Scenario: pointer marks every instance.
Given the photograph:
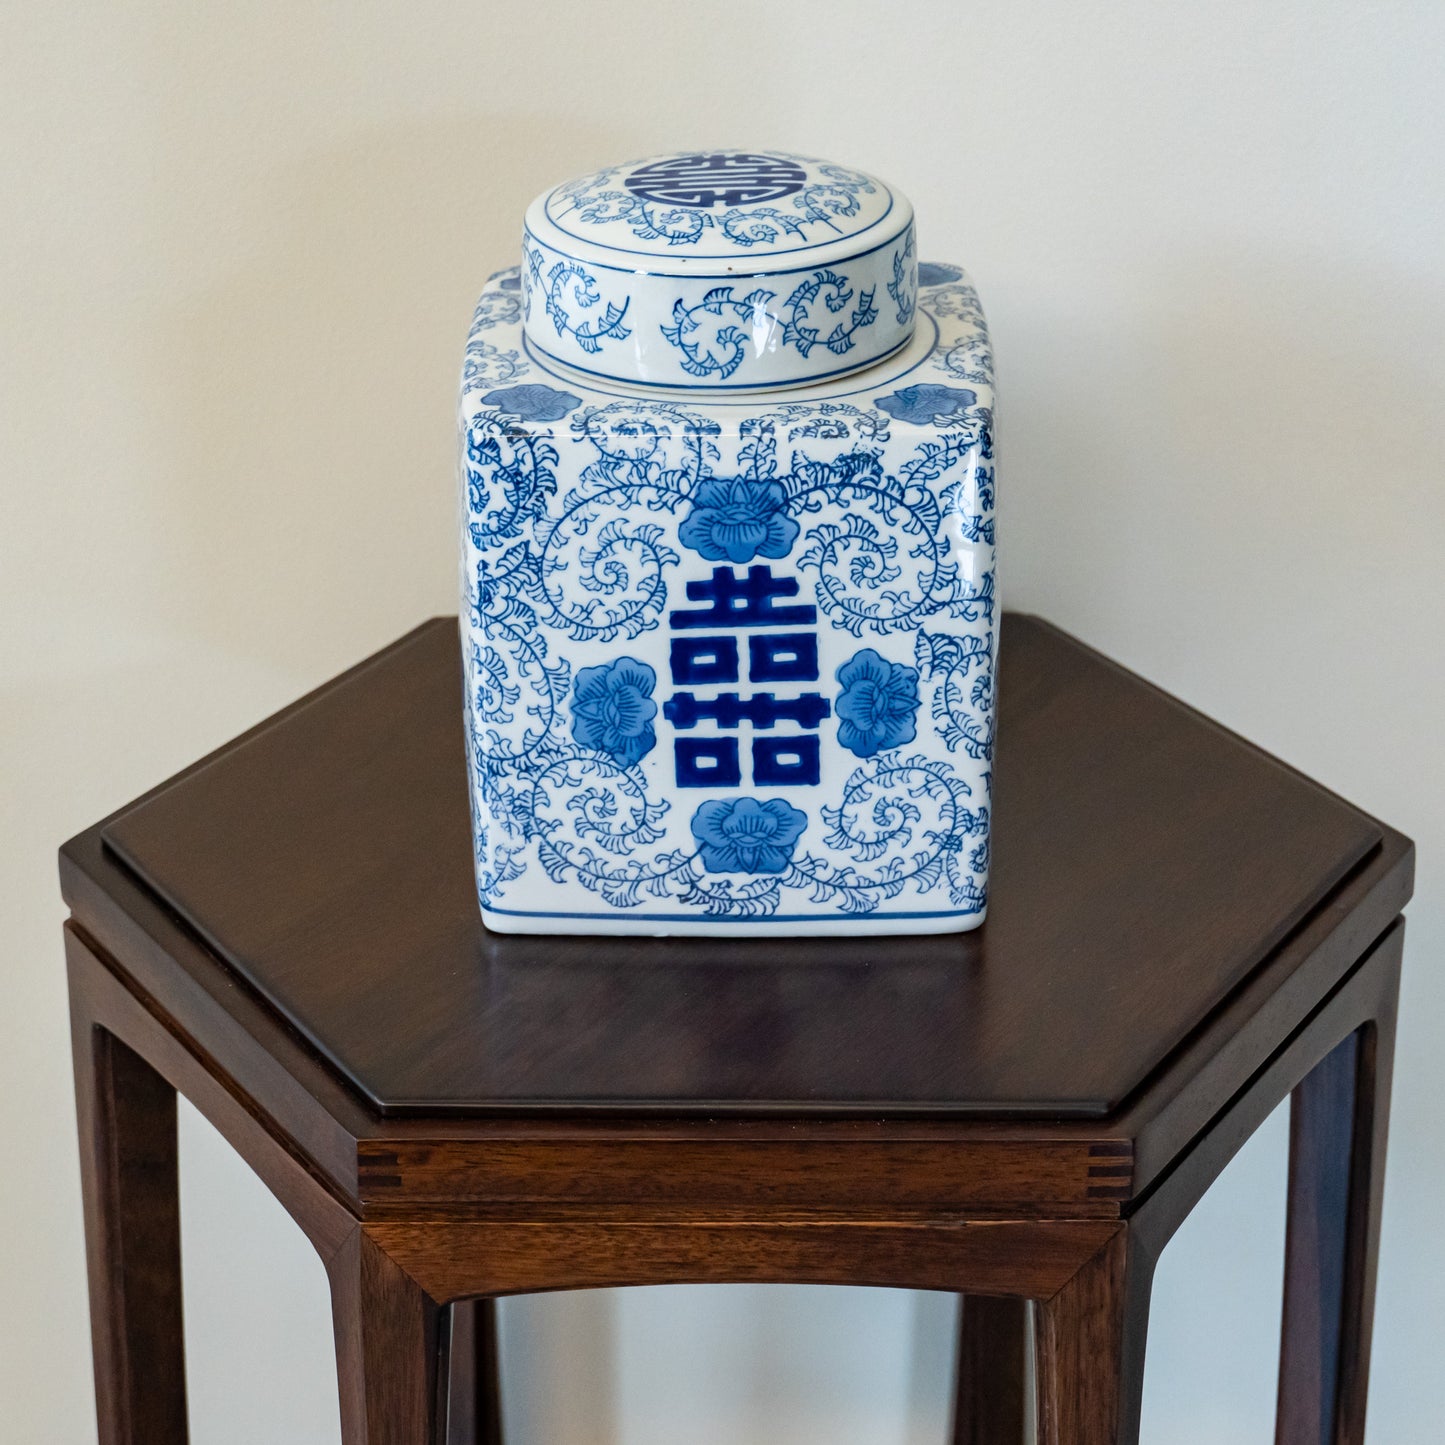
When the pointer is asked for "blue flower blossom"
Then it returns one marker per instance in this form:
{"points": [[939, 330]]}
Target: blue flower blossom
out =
{"points": [[877, 706], [940, 405], [736, 520], [931, 273], [533, 402], [743, 835], [612, 709]]}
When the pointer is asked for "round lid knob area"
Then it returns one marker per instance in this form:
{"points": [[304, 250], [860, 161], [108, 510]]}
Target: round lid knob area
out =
{"points": [[720, 270]]}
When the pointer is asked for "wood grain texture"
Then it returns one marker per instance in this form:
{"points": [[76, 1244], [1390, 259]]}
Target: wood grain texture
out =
{"points": [[1338, 1120], [1091, 1351], [466, 1253], [389, 1345], [844, 1168], [1140, 852], [990, 1392], [474, 1391], [127, 1121], [105, 1004], [1367, 998]]}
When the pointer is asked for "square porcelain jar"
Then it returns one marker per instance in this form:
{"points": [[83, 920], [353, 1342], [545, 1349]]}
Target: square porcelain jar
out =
{"points": [[728, 603]]}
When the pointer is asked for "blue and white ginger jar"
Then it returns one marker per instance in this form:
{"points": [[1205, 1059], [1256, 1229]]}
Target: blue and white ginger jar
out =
{"points": [[728, 601]]}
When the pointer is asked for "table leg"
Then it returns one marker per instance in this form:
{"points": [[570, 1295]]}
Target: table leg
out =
{"points": [[1091, 1337], [127, 1120], [391, 1349], [1338, 1118], [989, 1389], [474, 1398]]}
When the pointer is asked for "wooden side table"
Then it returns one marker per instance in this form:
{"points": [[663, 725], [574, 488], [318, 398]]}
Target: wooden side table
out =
{"points": [[1183, 931]]}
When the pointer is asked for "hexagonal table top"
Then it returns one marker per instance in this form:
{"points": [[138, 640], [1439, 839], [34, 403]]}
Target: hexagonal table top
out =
{"points": [[1146, 863]]}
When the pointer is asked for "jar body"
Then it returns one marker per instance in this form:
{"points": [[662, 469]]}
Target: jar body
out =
{"points": [[729, 661]]}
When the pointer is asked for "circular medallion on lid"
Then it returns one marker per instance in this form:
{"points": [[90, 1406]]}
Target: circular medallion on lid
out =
{"points": [[722, 270]]}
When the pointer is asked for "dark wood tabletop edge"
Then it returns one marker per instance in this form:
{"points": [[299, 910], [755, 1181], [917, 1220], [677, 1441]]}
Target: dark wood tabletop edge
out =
{"points": [[254, 1053], [253, 1046], [306, 700], [340, 1183], [89, 874], [1177, 1101], [1065, 1110], [292, 1093], [1366, 900], [1129, 1115], [428, 1129], [702, 1108], [260, 1049], [1157, 1180], [1213, 724], [1032, 1108], [601, 1106]]}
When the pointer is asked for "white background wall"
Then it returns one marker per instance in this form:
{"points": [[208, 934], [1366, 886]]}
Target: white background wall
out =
{"points": [[240, 247]]}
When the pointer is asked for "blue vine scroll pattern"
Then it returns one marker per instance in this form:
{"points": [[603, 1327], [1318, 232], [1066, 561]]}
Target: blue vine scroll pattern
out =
{"points": [[558, 777], [568, 285], [803, 321], [971, 357], [903, 288], [963, 712], [485, 363], [713, 333], [888, 563]]}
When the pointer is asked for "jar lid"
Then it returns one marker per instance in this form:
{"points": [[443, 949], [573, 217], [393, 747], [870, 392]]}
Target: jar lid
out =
{"points": [[725, 270]]}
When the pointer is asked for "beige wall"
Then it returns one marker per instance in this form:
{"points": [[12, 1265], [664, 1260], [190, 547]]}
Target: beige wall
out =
{"points": [[240, 246]]}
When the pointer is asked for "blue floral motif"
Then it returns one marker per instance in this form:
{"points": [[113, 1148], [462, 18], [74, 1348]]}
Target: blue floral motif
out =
{"points": [[924, 403], [533, 402], [930, 273], [743, 835], [612, 709], [877, 706], [736, 520]]}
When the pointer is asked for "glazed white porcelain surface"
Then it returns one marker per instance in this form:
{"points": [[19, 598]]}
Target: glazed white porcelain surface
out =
{"points": [[730, 659], [726, 270]]}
